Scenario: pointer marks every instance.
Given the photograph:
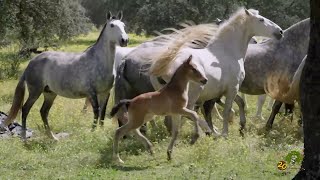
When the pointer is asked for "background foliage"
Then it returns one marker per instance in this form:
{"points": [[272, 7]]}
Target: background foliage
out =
{"points": [[36, 23]]}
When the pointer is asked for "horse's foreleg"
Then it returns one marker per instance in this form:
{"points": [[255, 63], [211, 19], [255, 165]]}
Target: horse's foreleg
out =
{"points": [[226, 112], [232, 113], [275, 109], [95, 106], [260, 102], [244, 98], [103, 102], [44, 111], [175, 124], [241, 105]]}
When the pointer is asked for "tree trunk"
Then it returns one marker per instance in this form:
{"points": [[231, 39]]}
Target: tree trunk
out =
{"points": [[310, 100]]}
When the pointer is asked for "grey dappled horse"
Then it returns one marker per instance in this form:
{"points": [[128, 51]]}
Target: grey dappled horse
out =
{"points": [[72, 75]]}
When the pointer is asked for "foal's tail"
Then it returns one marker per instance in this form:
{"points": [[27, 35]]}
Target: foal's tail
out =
{"points": [[17, 101], [116, 108]]}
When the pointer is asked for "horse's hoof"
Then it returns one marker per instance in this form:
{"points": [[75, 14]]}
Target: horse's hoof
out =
{"points": [[194, 138], [169, 155], [208, 133], [260, 118], [101, 123]]}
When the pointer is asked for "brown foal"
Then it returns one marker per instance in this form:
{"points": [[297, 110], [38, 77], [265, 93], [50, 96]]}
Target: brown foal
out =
{"points": [[172, 99]]}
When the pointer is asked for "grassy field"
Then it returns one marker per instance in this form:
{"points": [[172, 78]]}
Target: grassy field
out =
{"points": [[87, 155]]}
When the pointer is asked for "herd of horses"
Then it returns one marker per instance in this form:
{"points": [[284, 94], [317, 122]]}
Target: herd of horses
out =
{"points": [[172, 75]]}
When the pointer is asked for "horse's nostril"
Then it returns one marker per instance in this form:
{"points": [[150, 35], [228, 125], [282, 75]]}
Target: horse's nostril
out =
{"points": [[204, 81]]}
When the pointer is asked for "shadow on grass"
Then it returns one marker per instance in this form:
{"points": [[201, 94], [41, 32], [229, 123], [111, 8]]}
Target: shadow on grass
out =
{"points": [[130, 145], [39, 144]]}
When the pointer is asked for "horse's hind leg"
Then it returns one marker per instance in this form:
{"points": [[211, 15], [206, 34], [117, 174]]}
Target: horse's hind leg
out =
{"points": [[207, 108], [49, 97], [275, 109], [33, 96], [241, 105], [103, 102]]}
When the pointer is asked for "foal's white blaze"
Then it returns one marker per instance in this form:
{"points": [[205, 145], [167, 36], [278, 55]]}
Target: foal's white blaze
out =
{"points": [[262, 26]]}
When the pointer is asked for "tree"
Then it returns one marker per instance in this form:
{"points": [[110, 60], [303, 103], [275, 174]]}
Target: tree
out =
{"points": [[41, 23], [310, 98]]}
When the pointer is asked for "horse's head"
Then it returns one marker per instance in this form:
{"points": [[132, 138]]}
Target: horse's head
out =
{"points": [[115, 29], [262, 26], [194, 73]]}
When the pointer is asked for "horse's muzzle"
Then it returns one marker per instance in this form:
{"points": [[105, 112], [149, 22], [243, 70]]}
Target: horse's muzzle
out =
{"points": [[124, 42], [278, 35], [204, 81]]}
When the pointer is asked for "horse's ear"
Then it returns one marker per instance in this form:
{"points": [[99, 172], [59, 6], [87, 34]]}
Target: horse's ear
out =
{"points": [[109, 15], [189, 59], [248, 12], [120, 15], [218, 21]]}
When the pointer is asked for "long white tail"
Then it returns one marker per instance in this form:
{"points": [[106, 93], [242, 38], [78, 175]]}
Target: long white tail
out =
{"points": [[280, 88]]}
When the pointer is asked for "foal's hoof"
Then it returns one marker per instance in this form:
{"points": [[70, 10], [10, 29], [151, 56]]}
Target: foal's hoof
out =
{"points": [[117, 160]]}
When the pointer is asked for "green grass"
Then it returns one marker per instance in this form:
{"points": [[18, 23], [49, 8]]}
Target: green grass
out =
{"points": [[87, 155]]}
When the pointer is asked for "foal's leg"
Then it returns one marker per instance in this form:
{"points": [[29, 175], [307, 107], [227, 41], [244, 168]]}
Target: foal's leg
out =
{"points": [[95, 107], [44, 111], [33, 96], [144, 140], [133, 123], [175, 125], [241, 105], [103, 102], [195, 118], [275, 109], [260, 102]]}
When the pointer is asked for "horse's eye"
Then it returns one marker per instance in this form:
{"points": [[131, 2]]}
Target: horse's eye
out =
{"points": [[112, 25], [261, 20], [194, 70]]}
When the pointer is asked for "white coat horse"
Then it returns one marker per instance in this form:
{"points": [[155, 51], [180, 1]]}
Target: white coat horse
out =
{"points": [[222, 60]]}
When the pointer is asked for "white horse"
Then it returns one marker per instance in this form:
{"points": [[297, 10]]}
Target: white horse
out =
{"points": [[71, 75], [222, 60]]}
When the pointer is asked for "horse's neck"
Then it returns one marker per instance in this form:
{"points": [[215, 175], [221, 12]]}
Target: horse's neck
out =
{"points": [[178, 83], [233, 40], [296, 37], [104, 51]]}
